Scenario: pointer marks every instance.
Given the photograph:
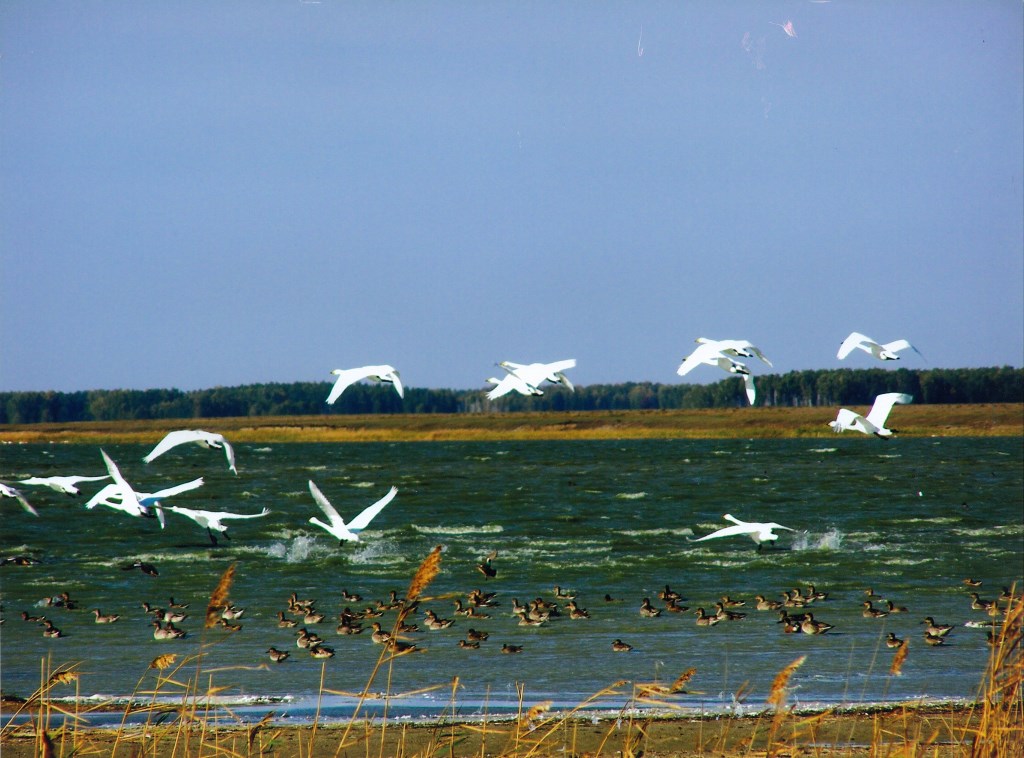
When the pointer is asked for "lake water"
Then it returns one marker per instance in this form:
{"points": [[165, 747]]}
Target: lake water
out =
{"points": [[910, 518]]}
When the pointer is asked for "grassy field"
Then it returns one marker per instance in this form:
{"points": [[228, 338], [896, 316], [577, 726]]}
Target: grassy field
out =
{"points": [[979, 420]]}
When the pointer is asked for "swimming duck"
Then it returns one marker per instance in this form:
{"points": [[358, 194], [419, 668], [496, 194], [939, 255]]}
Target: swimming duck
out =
{"points": [[647, 610], [471, 645], [169, 632], [705, 620], [564, 594], [485, 567], [726, 615], [321, 651], [981, 605], [934, 639], [575, 612], [872, 613], [810, 626], [102, 619], [763, 604], [936, 630], [306, 639], [728, 602], [668, 595], [379, 635], [893, 641], [285, 623], [474, 636], [672, 606], [434, 623], [893, 608], [277, 656], [349, 597], [509, 649], [621, 647], [50, 630], [470, 610]]}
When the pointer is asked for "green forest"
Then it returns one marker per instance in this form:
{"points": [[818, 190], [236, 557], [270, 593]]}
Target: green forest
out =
{"points": [[796, 388]]}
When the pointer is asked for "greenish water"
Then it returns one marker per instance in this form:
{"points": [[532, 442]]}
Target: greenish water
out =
{"points": [[910, 518]]}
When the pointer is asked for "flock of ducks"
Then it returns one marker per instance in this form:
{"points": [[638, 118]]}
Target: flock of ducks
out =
{"points": [[400, 625]]}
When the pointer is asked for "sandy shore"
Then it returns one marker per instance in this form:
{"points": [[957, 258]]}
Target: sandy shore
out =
{"points": [[910, 730]]}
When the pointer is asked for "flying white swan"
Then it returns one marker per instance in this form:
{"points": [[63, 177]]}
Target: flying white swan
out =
{"points": [[714, 353], [7, 490], [759, 532], [348, 376], [874, 422], [205, 439], [346, 532], [212, 519], [510, 383], [149, 502], [535, 374], [886, 352], [736, 348], [129, 499], [65, 484]]}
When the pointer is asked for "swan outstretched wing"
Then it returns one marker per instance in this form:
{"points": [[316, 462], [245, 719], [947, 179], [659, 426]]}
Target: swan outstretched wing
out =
{"points": [[172, 439], [8, 491], [129, 499], [883, 405], [150, 498], [361, 521], [854, 341], [705, 352], [333, 516]]}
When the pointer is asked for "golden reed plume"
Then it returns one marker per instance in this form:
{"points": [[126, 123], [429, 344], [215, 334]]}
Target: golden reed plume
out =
{"points": [[424, 575], [777, 696], [219, 598], [896, 669]]}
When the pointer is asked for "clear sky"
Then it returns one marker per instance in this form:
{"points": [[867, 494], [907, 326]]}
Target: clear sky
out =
{"points": [[213, 193]]}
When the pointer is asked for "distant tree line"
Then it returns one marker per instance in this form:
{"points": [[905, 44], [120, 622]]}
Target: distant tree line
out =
{"points": [[827, 387]]}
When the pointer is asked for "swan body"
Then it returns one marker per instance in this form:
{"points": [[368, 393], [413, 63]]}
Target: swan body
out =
{"points": [[336, 525], [874, 422], [212, 519], [759, 532], [64, 484], [720, 353], [510, 383], [534, 374], [349, 376], [883, 352], [198, 436]]}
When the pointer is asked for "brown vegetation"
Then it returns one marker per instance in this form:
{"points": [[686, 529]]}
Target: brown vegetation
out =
{"points": [[975, 420]]}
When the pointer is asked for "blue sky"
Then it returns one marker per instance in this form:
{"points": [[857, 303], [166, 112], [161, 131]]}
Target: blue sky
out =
{"points": [[197, 193]]}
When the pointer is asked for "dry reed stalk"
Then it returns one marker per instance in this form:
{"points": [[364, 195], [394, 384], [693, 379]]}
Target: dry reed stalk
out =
{"points": [[777, 699], [219, 598], [557, 723], [1000, 731], [896, 669]]}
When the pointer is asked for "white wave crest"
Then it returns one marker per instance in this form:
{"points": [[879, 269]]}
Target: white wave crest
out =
{"points": [[631, 495], [464, 529], [823, 449]]}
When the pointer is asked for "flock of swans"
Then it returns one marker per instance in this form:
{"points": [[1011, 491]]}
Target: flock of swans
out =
{"points": [[525, 379]]}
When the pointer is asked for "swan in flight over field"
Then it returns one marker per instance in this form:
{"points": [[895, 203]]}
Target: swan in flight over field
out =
{"points": [[65, 484], [510, 383], [206, 439], [212, 519], [346, 532], [348, 376], [536, 373], [717, 353], [759, 532], [874, 422], [886, 352], [129, 500], [7, 490]]}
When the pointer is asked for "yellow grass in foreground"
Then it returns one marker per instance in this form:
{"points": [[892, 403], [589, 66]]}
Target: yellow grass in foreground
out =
{"points": [[978, 420]]}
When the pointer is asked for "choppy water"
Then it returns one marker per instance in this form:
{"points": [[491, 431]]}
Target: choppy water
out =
{"points": [[909, 518]]}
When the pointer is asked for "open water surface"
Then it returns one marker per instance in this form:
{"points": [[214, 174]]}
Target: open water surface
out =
{"points": [[910, 518]]}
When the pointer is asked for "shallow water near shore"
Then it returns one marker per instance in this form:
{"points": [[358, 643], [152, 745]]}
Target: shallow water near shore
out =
{"points": [[910, 518]]}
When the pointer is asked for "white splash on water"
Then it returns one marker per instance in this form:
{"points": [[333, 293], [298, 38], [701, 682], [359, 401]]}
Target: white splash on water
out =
{"points": [[823, 449], [631, 495], [830, 540], [297, 551]]}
